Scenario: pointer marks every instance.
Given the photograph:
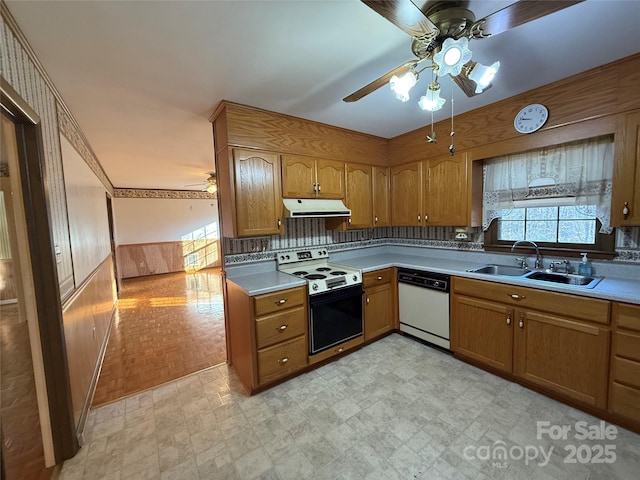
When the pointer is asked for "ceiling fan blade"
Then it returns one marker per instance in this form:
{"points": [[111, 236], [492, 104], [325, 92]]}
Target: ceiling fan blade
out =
{"points": [[517, 14], [467, 85], [195, 184], [379, 82], [404, 15]]}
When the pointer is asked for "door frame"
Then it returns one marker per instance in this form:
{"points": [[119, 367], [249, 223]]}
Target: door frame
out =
{"points": [[44, 273]]}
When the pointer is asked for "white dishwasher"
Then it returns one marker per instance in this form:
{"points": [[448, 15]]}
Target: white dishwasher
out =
{"points": [[423, 299]]}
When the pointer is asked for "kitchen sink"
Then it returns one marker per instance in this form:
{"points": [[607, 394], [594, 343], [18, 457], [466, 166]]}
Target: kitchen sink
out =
{"points": [[493, 269], [538, 275], [564, 278]]}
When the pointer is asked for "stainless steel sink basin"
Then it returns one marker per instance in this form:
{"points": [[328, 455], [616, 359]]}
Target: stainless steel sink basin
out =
{"points": [[506, 270], [564, 278]]}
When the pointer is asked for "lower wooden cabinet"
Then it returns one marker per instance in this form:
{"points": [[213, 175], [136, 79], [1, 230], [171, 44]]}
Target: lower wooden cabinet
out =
{"points": [[267, 334], [624, 377], [503, 327], [380, 302]]}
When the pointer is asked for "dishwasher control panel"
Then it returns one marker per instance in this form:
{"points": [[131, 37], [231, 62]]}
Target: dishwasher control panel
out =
{"points": [[430, 280]]}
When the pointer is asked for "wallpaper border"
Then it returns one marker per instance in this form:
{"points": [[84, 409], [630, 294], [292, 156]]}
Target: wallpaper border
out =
{"points": [[157, 193]]}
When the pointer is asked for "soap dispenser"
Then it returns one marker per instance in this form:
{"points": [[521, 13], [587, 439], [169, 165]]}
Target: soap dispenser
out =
{"points": [[585, 268]]}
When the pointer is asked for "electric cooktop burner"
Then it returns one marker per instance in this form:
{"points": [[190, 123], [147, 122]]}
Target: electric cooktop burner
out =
{"points": [[302, 272], [323, 269], [338, 272], [315, 276]]}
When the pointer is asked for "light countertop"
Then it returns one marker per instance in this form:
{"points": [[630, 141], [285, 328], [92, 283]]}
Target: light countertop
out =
{"points": [[610, 288]]}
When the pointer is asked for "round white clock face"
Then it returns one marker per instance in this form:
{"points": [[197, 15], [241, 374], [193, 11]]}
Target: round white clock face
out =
{"points": [[531, 118]]}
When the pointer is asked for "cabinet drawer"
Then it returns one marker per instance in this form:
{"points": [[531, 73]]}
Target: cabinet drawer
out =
{"points": [[626, 345], [378, 277], [626, 371], [280, 326], [583, 308], [280, 300], [281, 359], [626, 315], [624, 401]]}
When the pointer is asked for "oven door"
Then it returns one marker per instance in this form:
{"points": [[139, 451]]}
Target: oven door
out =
{"points": [[334, 317]]}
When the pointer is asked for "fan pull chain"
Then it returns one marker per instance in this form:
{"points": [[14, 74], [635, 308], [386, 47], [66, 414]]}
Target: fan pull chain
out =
{"points": [[452, 148], [432, 138]]}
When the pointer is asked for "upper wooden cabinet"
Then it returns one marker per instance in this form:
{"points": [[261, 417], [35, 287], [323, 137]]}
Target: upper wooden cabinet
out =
{"points": [[446, 191], [381, 199], [626, 172], [452, 191], [255, 191], [359, 197], [406, 195], [307, 177]]}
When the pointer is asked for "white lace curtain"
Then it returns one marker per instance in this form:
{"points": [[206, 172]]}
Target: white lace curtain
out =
{"points": [[577, 173]]}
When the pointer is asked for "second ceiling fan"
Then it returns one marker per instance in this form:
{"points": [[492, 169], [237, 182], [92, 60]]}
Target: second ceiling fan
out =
{"points": [[441, 31]]}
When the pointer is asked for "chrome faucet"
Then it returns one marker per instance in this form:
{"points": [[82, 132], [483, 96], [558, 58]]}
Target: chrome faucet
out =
{"points": [[538, 263]]}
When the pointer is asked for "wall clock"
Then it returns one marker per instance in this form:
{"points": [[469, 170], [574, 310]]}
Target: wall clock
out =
{"points": [[531, 118]]}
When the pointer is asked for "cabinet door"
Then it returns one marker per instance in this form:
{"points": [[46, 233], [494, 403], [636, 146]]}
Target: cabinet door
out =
{"points": [[358, 195], [381, 204], [257, 187], [406, 195], [626, 172], [298, 177], [330, 178], [566, 356], [445, 191], [379, 310], [483, 331]]}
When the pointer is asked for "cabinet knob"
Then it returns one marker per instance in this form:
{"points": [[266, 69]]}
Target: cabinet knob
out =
{"points": [[379, 277], [279, 223], [521, 322], [625, 209], [367, 300], [315, 187], [426, 217], [509, 318], [515, 296], [283, 361], [349, 220], [375, 219], [282, 328], [282, 301], [340, 350], [419, 217]]}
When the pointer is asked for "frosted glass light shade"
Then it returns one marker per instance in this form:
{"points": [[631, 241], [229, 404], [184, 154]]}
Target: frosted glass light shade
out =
{"points": [[432, 101], [452, 56], [483, 75], [402, 84]]}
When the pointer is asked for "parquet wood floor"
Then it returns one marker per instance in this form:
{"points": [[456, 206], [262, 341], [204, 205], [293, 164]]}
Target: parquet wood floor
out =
{"points": [[166, 327], [22, 450]]}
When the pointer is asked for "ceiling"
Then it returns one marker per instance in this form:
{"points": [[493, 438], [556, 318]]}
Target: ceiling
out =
{"points": [[143, 77]]}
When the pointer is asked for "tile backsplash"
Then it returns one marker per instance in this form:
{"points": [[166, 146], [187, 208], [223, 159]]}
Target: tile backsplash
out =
{"points": [[309, 232]]}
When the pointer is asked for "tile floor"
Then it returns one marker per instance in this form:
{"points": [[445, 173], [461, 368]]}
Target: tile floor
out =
{"points": [[395, 409], [166, 327]]}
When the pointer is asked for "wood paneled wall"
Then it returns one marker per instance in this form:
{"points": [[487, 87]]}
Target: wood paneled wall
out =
{"points": [[242, 126], [87, 317], [141, 259], [579, 107]]}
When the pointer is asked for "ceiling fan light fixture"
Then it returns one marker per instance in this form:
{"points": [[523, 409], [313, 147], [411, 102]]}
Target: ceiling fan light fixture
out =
{"points": [[452, 56], [402, 84], [431, 101], [483, 75], [213, 183]]}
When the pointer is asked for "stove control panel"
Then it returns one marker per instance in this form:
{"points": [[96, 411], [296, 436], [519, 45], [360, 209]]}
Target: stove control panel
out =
{"points": [[302, 255]]}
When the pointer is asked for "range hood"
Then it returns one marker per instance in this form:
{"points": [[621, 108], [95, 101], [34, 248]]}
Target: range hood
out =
{"points": [[314, 207]]}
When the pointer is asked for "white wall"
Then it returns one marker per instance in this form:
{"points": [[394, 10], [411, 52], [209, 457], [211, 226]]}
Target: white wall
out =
{"points": [[87, 211], [154, 220]]}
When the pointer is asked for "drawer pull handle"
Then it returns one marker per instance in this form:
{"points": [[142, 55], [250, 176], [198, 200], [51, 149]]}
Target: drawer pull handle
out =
{"points": [[340, 350], [282, 301], [283, 361], [515, 296], [282, 328], [379, 277]]}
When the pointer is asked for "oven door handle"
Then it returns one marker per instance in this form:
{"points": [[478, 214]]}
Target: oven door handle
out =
{"points": [[335, 295]]}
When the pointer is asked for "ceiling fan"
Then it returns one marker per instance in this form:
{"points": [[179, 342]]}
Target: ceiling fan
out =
{"points": [[209, 185], [441, 31]]}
